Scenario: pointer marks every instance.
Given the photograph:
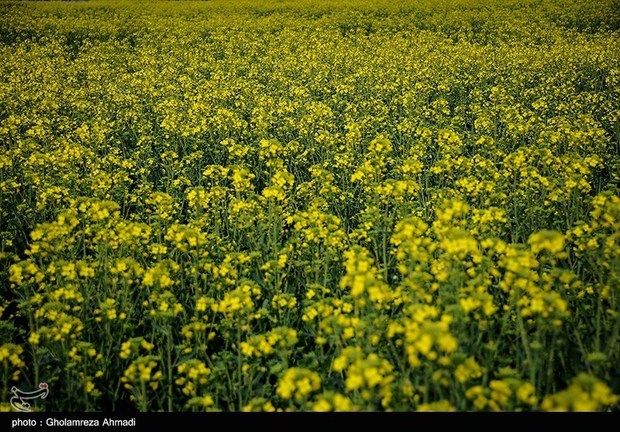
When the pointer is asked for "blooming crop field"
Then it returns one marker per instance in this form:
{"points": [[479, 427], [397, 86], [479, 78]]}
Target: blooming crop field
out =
{"points": [[310, 205]]}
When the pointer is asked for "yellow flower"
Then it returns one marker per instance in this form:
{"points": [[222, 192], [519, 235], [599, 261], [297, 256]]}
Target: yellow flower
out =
{"points": [[551, 241], [298, 383]]}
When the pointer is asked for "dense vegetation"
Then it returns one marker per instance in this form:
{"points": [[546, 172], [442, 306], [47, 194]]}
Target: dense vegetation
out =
{"points": [[317, 205]]}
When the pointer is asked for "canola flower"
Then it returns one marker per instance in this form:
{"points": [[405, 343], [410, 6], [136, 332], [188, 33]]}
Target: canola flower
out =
{"points": [[313, 205]]}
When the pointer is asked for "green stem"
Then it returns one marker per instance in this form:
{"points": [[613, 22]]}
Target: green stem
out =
{"points": [[525, 342], [169, 359], [239, 385]]}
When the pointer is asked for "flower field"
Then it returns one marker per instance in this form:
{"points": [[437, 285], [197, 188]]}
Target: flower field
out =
{"points": [[311, 205]]}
